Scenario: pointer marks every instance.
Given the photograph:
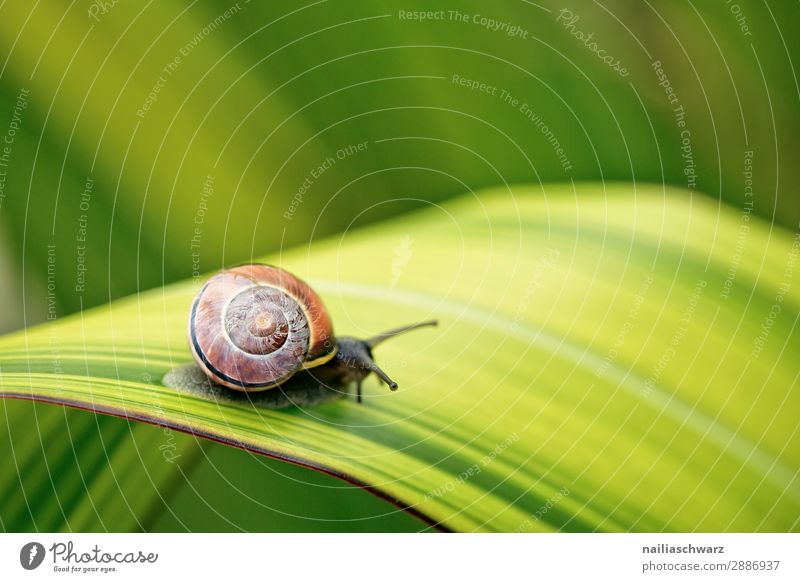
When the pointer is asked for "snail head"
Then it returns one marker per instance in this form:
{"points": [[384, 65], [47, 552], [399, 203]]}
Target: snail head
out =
{"points": [[355, 356]]}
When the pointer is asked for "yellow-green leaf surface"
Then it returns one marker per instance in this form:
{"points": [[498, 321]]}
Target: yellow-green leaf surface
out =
{"points": [[608, 358]]}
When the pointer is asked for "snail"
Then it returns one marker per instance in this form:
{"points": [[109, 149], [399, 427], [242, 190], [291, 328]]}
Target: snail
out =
{"points": [[257, 327]]}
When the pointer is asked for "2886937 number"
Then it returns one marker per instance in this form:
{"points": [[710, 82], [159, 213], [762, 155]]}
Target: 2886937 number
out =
{"points": [[754, 564]]}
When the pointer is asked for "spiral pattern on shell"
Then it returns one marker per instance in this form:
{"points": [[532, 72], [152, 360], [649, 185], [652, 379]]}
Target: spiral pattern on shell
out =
{"points": [[252, 327]]}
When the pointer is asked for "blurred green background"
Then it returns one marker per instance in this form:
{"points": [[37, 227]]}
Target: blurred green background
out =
{"points": [[158, 141]]}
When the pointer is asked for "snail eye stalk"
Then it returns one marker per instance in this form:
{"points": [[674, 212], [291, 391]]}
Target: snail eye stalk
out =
{"points": [[382, 375], [357, 355], [373, 367], [360, 359], [380, 338]]}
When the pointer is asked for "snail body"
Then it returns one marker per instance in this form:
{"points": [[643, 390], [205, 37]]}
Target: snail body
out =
{"points": [[256, 327]]}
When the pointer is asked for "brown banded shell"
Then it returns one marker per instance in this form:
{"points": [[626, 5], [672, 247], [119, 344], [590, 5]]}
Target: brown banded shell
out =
{"points": [[252, 327]]}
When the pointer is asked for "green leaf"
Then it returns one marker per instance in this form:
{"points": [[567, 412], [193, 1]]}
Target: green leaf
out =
{"points": [[617, 358], [264, 96]]}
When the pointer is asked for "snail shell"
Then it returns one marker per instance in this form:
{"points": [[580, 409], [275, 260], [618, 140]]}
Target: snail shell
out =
{"points": [[253, 327]]}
